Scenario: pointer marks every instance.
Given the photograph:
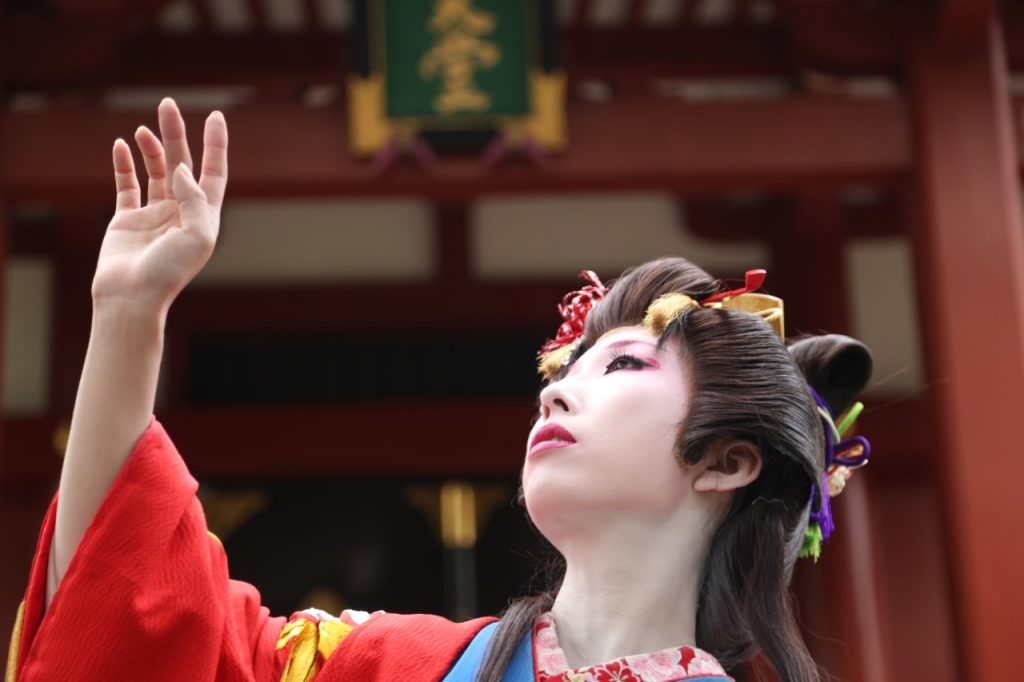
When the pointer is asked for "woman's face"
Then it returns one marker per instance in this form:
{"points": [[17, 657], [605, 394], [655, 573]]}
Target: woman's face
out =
{"points": [[604, 443]]}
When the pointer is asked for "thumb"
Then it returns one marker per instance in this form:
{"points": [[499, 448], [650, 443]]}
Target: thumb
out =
{"points": [[192, 203]]}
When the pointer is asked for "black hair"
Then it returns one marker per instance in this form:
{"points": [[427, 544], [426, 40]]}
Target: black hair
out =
{"points": [[746, 385]]}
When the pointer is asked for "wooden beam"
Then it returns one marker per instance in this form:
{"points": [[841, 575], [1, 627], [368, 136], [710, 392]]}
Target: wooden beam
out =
{"points": [[636, 12], [887, 217], [812, 246], [637, 142], [69, 56], [963, 23], [772, 218], [709, 217], [452, 235], [848, 37], [581, 15], [314, 17], [446, 305], [1012, 24], [204, 20], [304, 442], [687, 50], [970, 260], [96, 44], [257, 15], [297, 442]]}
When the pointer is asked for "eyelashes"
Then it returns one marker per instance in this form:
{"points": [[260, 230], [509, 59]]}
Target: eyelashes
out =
{"points": [[620, 361]]}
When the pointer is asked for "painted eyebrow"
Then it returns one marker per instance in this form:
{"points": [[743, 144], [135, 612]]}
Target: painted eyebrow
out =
{"points": [[630, 342]]}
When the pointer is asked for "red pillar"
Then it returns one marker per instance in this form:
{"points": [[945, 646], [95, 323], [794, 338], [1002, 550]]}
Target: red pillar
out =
{"points": [[452, 235], [970, 261]]}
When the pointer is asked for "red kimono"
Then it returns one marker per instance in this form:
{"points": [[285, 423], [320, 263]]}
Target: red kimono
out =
{"points": [[148, 597]]}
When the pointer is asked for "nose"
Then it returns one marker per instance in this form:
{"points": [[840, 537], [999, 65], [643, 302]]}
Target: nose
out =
{"points": [[553, 400]]}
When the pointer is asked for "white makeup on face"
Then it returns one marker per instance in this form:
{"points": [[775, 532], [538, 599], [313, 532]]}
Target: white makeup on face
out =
{"points": [[604, 444]]}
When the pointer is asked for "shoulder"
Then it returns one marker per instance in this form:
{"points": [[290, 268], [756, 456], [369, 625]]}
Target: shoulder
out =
{"points": [[393, 646], [372, 646]]}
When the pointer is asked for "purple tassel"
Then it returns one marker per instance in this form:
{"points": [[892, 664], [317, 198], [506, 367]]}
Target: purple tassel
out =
{"points": [[823, 516], [821, 519]]}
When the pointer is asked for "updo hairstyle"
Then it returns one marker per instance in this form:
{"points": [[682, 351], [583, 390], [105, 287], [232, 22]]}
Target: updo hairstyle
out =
{"points": [[747, 385]]}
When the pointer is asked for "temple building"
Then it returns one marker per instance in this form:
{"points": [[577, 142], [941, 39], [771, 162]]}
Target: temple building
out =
{"points": [[413, 188]]}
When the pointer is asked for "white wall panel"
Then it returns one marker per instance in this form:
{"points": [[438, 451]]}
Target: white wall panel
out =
{"points": [[27, 329], [553, 236], [884, 312], [302, 242]]}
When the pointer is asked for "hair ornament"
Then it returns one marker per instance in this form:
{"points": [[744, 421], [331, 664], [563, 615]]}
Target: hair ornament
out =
{"points": [[842, 458], [744, 300], [575, 306], [768, 308], [665, 310], [552, 362], [752, 281], [668, 307]]}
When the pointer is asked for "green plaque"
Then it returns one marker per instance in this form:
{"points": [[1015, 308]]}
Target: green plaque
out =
{"points": [[456, 58], [455, 65]]}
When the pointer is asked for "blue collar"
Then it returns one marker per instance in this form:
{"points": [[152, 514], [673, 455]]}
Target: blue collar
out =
{"points": [[520, 668]]}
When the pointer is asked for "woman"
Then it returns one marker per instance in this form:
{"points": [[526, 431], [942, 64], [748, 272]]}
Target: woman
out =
{"points": [[676, 464]]}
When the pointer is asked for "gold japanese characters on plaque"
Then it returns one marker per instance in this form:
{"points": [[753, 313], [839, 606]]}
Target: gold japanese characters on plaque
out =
{"points": [[476, 71]]}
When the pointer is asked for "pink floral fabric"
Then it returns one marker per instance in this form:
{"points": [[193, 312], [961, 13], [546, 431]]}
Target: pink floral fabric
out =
{"points": [[667, 665]]}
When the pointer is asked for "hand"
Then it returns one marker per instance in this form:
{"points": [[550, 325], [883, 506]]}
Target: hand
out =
{"points": [[151, 252]]}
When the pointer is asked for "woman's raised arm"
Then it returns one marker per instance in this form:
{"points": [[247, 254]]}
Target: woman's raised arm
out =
{"points": [[149, 253]]}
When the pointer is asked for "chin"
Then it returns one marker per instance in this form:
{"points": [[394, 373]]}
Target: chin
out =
{"points": [[561, 509], [545, 502]]}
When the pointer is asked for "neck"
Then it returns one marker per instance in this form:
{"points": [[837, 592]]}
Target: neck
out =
{"points": [[633, 590]]}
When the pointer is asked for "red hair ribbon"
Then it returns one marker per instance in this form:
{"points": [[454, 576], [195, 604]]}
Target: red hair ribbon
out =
{"points": [[754, 280], [574, 308]]}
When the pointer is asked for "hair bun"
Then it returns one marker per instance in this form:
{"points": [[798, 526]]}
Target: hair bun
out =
{"points": [[836, 366]]}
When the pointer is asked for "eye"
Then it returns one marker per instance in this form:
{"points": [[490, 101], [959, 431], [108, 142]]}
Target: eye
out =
{"points": [[624, 362]]}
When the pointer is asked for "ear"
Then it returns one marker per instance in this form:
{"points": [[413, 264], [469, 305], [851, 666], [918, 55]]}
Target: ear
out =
{"points": [[729, 465]]}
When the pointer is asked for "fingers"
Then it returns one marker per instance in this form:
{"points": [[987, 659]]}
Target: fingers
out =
{"points": [[169, 157], [156, 166], [125, 181], [214, 176], [172, 132], [193, 205]]}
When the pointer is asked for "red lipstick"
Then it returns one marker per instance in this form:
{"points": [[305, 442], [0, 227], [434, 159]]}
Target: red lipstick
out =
{"points": [[550, 436]]}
